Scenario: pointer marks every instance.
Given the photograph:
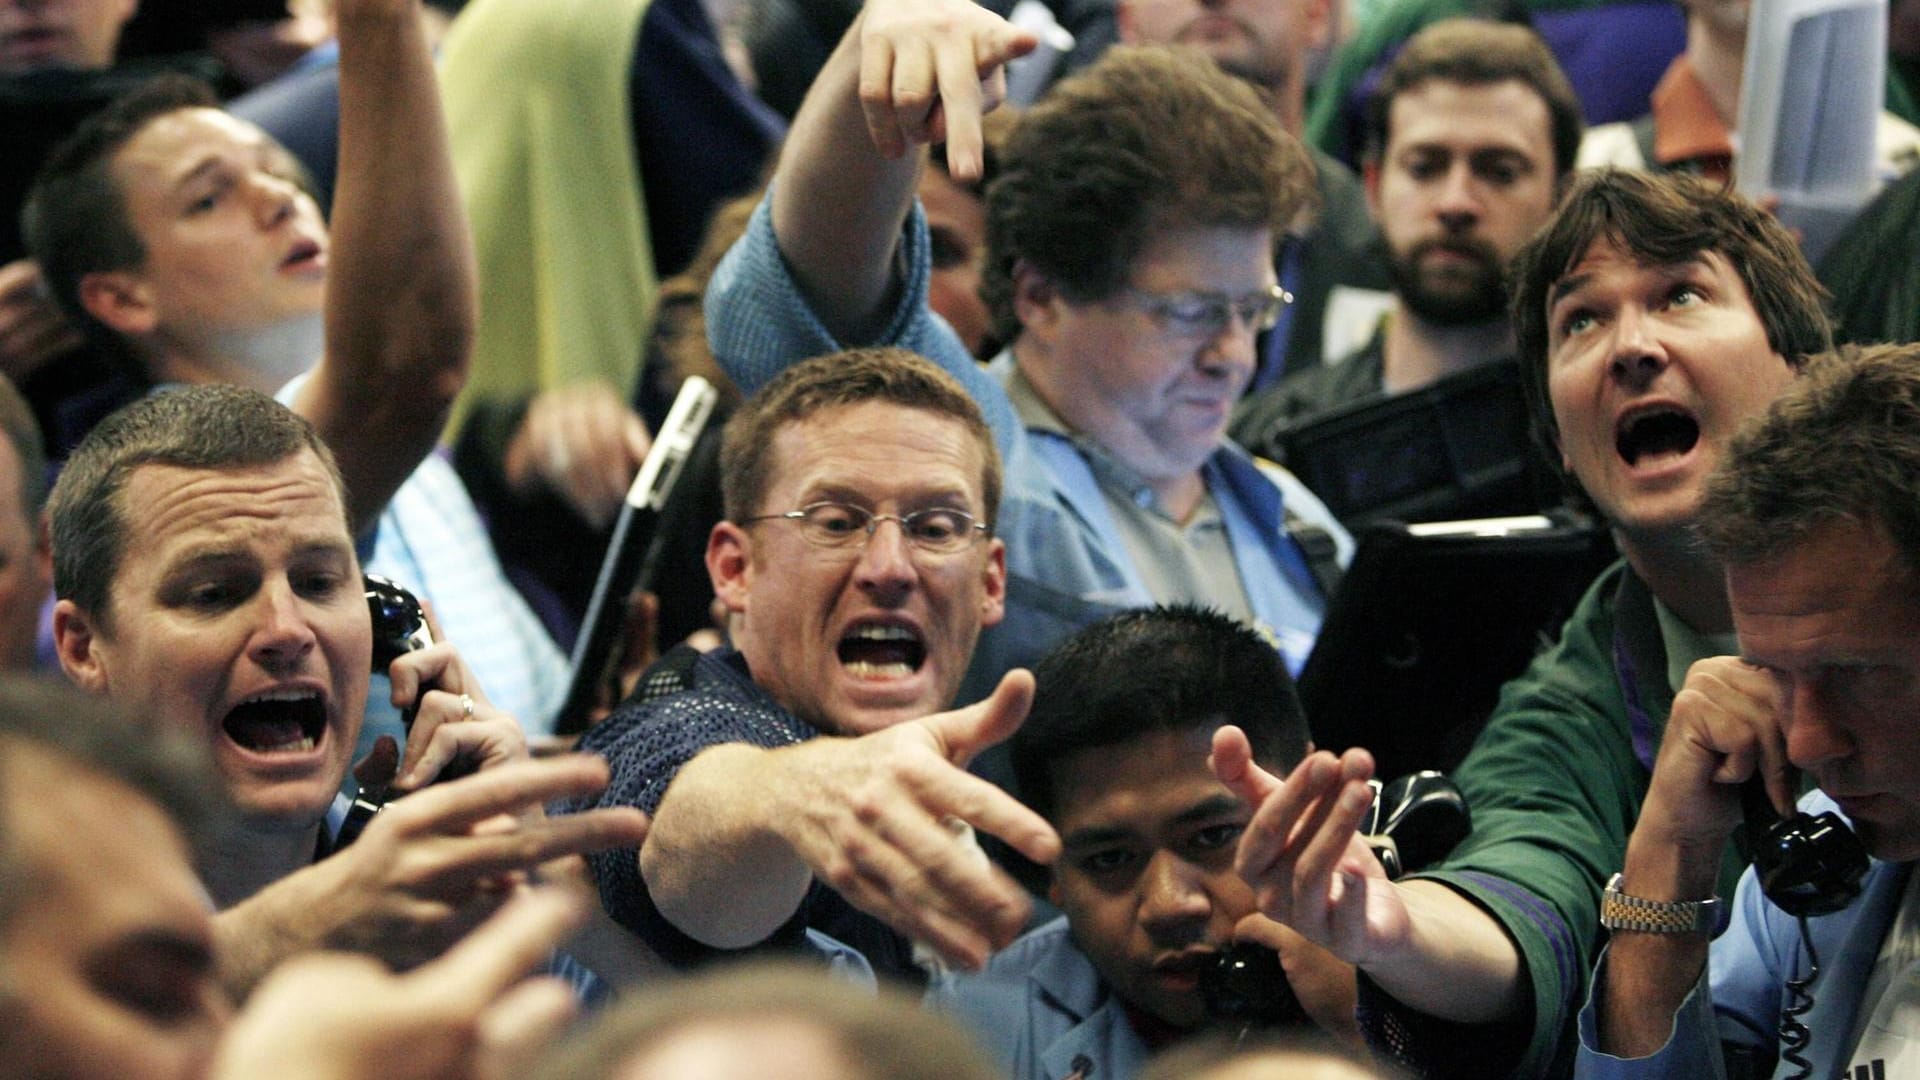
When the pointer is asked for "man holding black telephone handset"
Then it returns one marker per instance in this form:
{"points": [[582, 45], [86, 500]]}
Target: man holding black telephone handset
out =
{"points": [[1160, 938], [1816, 515], [207, 582]]}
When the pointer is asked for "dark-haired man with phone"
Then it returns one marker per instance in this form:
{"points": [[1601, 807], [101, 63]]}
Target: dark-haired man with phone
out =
{"points": [[1816, 517], [1654, 315], [186, 238], [207, 583], [1114, 755]]}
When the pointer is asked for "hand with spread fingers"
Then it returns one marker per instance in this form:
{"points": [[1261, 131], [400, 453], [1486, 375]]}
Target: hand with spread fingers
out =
{"points": [[428, 868], [1310, 869], [874, 817], [1303, 854], [471, 1014]]}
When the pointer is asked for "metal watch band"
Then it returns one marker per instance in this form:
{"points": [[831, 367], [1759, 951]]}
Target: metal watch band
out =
{"points": [[1619, 911]]}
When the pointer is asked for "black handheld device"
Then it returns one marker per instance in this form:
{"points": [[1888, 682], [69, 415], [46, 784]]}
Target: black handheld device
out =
{"points": [[1808, 864], [634, 550], [1414, 822], [399, 626]]}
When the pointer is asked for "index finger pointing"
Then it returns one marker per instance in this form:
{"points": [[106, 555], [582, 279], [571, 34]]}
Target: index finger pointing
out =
{"points": [[459, 804], [991, 810], [960, 97]]}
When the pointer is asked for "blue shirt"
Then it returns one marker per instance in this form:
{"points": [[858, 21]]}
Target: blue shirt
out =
{"points": [[1738, 999], [1042, 1011], [1066, 564]]}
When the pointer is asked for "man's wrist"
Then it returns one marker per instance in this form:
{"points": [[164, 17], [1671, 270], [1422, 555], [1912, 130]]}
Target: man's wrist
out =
{"points": [[1622, 910], [1663, 867]]}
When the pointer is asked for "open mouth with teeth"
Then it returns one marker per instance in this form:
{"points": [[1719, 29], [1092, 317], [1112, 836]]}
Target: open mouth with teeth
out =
{"points": [[1656, 433], [873, 651], [280, 722]]}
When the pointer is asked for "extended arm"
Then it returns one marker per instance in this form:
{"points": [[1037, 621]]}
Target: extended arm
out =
{"points": [[422, 875], [742, 832], [400, 305], [1423, 943], [907, 73]]}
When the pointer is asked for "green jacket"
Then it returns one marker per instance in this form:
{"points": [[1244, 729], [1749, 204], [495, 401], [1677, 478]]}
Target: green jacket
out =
{"points": [[1555, 782]]}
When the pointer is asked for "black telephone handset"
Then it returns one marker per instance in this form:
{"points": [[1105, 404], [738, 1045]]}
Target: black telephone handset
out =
{"points": [[399, 626], [1414, 822], [1808, 864]]}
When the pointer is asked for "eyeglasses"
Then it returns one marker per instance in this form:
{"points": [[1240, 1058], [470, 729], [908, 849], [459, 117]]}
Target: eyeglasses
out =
{"points": [[1206, 314], [939, 530]]}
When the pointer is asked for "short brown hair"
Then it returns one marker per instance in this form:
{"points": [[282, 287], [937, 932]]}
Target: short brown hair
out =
{"points": [[891, 375], [213, 427], [1662, 220], [1149, 138], [75, 218], [1479, 52], [1841, 445], [886, 1036]]}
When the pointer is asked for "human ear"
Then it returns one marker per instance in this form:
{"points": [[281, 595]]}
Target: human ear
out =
{"points": [[993, 596], [120, 300], [1035, 301], [730, 565], [78, 645]]}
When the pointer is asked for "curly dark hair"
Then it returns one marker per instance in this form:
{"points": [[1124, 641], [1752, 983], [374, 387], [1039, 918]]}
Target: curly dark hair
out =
{"points": [[1149, 138]]}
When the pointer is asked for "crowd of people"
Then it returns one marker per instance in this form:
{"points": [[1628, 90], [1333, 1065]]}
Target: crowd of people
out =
{"points": [[956, 733]]}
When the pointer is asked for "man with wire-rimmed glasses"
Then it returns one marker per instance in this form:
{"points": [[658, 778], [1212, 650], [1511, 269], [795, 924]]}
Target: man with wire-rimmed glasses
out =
{"points": [[806, 788], [1130, 240]]}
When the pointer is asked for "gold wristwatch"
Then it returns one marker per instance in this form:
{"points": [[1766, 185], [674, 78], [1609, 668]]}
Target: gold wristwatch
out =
{"points": [[1619, 911]]}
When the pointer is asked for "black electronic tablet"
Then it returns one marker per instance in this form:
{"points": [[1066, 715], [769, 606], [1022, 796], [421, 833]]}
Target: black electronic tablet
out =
{"points": [[1430, 621]]}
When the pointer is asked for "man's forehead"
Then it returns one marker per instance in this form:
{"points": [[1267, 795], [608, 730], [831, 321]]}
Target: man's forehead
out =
{"points": [[1440, 100], [1848, 563], [803, 446], [168, 501], [169, 147], [1165, 768], [1609, 249]]}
